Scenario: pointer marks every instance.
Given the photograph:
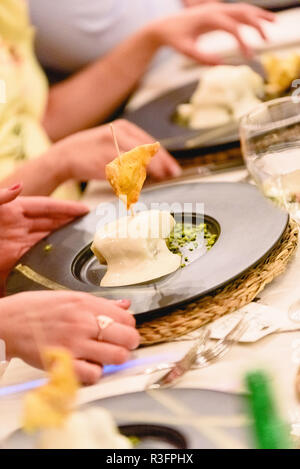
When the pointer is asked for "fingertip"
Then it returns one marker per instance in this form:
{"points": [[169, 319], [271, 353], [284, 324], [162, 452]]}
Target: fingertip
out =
{"points": [[16, 187], [175, 170], [82, 207], [136, 341], [11, 193], [122, 356], [270, 16], [87, 373], [124, 304], [247, 51], [131, 318]]}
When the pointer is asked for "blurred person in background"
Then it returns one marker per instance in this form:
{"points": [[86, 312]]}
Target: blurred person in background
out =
{"points": [[64, 319], [91, 95], [73, 33], [25, 148], [109, 45]]}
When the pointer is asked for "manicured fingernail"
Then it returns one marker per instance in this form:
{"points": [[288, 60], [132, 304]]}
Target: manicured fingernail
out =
{"points": [[15, 187], [121, 302]]}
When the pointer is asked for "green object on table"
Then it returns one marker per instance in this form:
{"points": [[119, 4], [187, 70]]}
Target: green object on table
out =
{"points": [[270, 430]]}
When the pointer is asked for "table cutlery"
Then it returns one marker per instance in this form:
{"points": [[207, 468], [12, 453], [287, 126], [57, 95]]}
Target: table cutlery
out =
{"points": [[180, 367], [198, 356]]}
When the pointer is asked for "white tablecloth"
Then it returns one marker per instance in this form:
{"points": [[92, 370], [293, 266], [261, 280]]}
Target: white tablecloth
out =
{"points": [[276, 353]]}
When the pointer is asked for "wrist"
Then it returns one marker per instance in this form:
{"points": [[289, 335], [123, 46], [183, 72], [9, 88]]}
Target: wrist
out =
{"points": [[153, 35], [56, 163]]}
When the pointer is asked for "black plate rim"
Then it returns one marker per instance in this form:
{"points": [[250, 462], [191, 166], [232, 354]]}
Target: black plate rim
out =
{"points": [[163, 310]]}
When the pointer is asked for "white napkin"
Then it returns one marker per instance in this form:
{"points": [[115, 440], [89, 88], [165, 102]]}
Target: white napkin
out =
{"points": [[284, 32]]}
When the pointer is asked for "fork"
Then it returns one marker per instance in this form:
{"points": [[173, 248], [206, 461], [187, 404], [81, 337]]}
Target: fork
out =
{"points": [[223, 346], [202, 339], [210, 354]]}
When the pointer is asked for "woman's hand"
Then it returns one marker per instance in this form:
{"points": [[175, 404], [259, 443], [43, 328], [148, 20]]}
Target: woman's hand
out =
{"points": [[31, 320], [85, 154], [182, 30], [26, 220], [194, 3]]}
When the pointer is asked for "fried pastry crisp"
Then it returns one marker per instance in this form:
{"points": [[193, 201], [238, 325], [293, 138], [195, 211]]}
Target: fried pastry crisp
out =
{"points": [[281, 72], [127, 172], [49, 405]]}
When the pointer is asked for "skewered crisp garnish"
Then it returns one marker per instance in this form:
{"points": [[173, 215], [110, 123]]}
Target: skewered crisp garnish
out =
{"points": [[127, 172], [49, 405]]}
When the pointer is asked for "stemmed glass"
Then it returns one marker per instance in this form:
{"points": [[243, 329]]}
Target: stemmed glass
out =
{"points": [[270, 138]]}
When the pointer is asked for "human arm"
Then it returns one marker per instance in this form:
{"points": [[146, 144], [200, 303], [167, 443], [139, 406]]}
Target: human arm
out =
{"points": [[91, 95], [83, 156], [32, 320]]}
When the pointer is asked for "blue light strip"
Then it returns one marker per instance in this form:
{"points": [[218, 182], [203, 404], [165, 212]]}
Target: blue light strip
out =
{"points": [[17, 388], [107, 370]]}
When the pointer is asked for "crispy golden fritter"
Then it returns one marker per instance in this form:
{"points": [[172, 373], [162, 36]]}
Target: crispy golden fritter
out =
{"points": [[49, 405], [127, 172]]}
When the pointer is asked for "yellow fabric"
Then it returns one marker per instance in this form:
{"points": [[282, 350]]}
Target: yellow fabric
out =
{"points": [[23, 94], [50, 405]]}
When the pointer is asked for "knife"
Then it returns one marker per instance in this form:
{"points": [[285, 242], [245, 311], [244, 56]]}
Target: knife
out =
{"points": [[182, 366]]}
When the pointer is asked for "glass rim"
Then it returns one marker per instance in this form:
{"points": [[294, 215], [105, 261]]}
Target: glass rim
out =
{"points": [[244, 123]]}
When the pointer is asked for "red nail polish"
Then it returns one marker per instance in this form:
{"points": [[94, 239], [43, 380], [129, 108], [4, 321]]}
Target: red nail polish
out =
{"points": [[15, 187]]}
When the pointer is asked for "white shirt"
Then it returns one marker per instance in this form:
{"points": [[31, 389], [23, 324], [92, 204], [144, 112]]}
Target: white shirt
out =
{"points": [[72, 33]]}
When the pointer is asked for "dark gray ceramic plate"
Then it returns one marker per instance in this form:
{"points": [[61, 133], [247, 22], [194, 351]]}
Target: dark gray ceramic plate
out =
{"points": [[157, 427], [248, 226], [131, 411], [164, 127]]}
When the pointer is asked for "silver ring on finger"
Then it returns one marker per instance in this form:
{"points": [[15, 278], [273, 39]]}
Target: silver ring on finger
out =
{"points": [[103, 323]]}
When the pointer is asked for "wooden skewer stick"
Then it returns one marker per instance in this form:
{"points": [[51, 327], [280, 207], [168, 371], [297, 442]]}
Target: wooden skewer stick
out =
{"points": [[115, 139], [119, 155]]}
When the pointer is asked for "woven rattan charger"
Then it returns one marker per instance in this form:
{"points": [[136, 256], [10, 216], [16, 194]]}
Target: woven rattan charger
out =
{"points": [[227, 299]]}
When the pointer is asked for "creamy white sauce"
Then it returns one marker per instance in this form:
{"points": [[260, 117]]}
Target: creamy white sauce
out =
{"points": [[135, 249], [224, 93]]}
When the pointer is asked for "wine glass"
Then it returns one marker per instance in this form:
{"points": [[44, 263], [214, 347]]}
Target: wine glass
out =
{"points": [[270, 139]]}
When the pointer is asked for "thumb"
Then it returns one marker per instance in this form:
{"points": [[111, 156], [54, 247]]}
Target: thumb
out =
{"points": [[190, 49], [10, 194]]}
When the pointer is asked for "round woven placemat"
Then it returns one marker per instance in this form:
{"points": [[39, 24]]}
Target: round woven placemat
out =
{"points": [[227, 299]]}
